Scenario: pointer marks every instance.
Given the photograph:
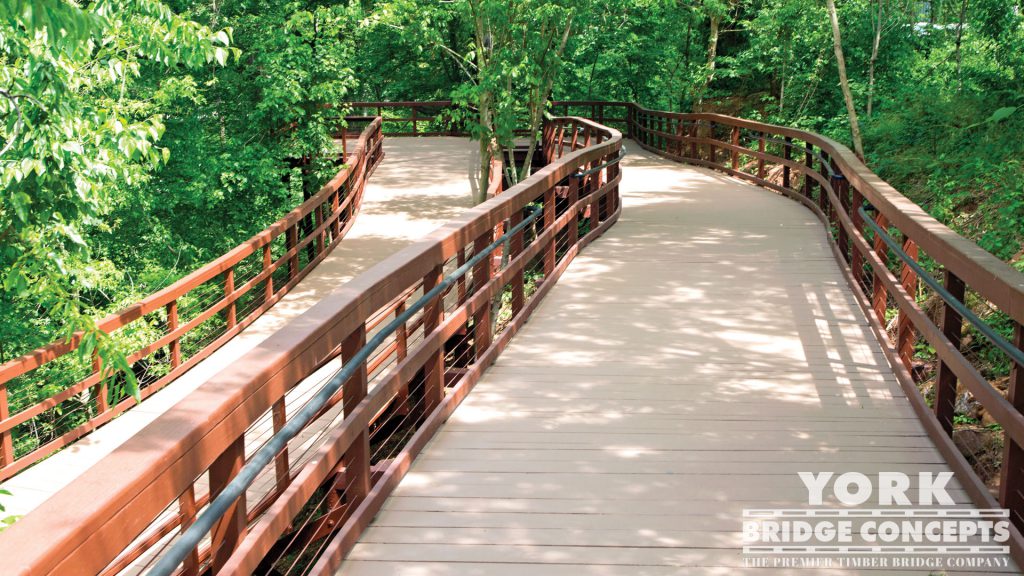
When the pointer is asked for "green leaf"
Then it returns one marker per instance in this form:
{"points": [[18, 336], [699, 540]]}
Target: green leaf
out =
{"points": [[1002, 114]]}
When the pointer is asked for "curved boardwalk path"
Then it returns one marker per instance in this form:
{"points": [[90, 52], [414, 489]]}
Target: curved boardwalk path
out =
{"points": [[685, 367], [421, 184]]}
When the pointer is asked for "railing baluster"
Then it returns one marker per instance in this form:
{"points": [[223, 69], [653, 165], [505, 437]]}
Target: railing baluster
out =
{"points": [[905, 332], [951, 324], [229, 530], [186, 516], [357, 458], [823, 200], [1012, 475], [433, 315]]}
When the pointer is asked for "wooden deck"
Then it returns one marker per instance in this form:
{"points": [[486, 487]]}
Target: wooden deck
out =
{"points": [[421, 184], [685, 367]]}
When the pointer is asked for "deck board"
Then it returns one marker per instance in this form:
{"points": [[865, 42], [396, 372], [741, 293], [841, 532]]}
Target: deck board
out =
{"points": [[685, 367]]}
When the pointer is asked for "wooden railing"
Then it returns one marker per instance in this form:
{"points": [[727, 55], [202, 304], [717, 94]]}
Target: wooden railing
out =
{"points": [[318, 494], [832, 182], [52, 396]]}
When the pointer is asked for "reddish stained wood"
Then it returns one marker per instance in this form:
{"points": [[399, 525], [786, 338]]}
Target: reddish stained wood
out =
{"points": [[879, 296], [229, 288], [906, 334], [1012, 474], [433, 316], [231, 528], [172, 327], [6, 444], [951, 324], [357, 458]]}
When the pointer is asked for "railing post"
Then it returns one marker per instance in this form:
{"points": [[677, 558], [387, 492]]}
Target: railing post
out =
{"points": [[573, 198], [879, 297], [229, 530], [482, 316], [735, 143], [951, 325], [680, 134], [856, 258], [268, 289], [401, 351], [1012, 474], [321, 236], [433, 370], [357, 458], [711, 147], [515, 247], [229, 288], [549, 223], [760, 159], [172, 325], [6, 443], [823, 200], [291, 241], [787, 153], [414, 132], [100, 391], [809, 162], [693, 139], [841, 187], [905, 333], [186, 516], [278, 417]]}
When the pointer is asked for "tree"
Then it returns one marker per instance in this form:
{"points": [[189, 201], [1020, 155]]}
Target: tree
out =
{"points": [[851, 109], [72, 135]]}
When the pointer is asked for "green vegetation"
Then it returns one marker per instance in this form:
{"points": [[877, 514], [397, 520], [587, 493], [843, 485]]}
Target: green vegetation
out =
{"points": [[142, 139]]}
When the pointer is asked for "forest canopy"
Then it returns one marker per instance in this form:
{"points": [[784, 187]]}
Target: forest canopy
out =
{"points": [[130, 125]]}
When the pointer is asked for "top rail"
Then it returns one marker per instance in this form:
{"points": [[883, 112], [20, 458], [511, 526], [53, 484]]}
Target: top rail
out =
{"points": [[324, 487], [179, 325]]}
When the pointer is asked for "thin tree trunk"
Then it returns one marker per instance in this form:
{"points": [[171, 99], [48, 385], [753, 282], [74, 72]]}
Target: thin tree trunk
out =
{"points": [[874, 54], [959, 41], [851, 110], [712, 54]]}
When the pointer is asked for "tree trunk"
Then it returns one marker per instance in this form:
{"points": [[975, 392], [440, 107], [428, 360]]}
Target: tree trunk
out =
{"points": [[851, 110], [959, 41], [712, 54], [874, 53]]}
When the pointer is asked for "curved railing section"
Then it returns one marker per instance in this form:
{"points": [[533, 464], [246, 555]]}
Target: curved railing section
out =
{"points": [[51, 397], [306, 507], [932, 296]]}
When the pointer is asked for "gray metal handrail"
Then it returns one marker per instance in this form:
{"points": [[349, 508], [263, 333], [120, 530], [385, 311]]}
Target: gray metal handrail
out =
{"points": [[996, 338], [168, 564]]}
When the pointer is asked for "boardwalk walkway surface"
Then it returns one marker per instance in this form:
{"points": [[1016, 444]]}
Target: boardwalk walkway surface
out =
{"points": [[421, 184], [685, 367]]}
